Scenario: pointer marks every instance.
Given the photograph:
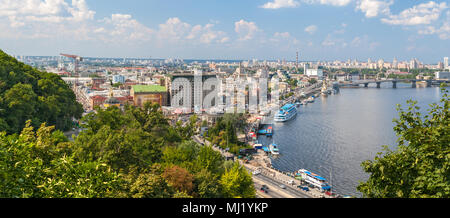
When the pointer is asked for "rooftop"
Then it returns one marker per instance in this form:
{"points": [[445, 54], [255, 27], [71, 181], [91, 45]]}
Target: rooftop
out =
{"points": [[148, 88]]}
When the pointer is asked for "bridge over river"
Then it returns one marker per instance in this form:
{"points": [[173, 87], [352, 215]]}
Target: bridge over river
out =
{"points": [[393, 81]]}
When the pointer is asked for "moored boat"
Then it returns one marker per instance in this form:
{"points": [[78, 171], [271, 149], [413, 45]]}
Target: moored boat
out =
{"points": [[285, 113], [274, 149], [269, 131], [313, 179]]}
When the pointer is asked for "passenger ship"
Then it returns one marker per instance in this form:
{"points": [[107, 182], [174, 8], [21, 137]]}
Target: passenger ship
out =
{"points": [[285, 113], [313, 179]]}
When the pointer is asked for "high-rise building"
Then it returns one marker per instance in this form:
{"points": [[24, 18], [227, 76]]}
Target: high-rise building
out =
{"points": [[380, 63], [395, 63], [413, 63], [191, 95], [445, 62]]}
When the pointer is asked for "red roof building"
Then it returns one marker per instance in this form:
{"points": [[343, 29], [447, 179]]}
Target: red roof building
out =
{"points": [[96, 100]]}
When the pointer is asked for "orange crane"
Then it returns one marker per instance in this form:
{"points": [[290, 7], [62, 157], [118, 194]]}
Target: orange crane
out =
{"points": [[76, 59]]}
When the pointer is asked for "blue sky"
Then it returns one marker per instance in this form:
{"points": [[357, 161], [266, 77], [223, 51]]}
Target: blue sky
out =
{"points": [[228, 29]]}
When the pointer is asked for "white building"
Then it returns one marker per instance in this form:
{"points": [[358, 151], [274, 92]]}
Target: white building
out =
{"points": [[262, 73], [442, 75], [445, 62], [314, 72], [118, 79]]}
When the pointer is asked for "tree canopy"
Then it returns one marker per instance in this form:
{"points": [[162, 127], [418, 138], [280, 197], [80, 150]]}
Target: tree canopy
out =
{"points": [[29, 94]]}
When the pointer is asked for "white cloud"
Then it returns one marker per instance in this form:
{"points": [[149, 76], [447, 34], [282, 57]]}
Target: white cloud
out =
{"points": [[177, 31], [338, 3], [174, 29], [23, 12], [121, 27], [425, 13], [283, 41], [311, 29], [330, 41], [284, 37], [442, 30], [276, 4], [80, 11], [246, 30], [206, 34], [356, 41], [373, 8]]}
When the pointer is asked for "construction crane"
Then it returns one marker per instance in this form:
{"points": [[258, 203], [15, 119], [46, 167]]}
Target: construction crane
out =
{"points": [[76, 60]]}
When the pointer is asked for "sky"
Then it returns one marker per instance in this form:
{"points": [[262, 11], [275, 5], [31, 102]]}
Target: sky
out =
{"points": [[228, 29]]}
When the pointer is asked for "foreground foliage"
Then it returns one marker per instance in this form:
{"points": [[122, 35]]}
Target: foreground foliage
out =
{"points": [[132, 153]]}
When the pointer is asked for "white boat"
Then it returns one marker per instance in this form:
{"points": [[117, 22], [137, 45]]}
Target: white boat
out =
{"points": [[274, 149], [313, 179], [285, 113], [310, 99]]}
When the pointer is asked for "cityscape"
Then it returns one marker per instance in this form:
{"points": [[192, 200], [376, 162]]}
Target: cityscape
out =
{"points": [[298, 114]]}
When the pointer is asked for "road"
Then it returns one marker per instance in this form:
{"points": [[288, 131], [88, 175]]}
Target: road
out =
{"points": [[275, 191]]}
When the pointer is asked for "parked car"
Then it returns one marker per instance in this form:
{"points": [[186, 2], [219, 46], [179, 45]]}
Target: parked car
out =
{"points": [[263, 190], [304, 188], [283, 186]]}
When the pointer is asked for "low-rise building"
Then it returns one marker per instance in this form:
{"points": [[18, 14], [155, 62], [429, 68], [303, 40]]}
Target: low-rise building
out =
{"points": [[314, 72], [149, 93], [96, 100]]}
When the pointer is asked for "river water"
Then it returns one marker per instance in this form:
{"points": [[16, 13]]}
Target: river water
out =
{"points": [[335, 134]]}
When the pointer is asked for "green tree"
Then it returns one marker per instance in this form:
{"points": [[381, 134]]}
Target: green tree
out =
{"points": [[22, 100], [207, 184], [420, 167], [237, 183], [148, 185], [27, 93], [33, 164]]}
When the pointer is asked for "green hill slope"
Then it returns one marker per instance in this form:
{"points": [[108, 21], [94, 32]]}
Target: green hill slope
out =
{"points": [[27, 93]]}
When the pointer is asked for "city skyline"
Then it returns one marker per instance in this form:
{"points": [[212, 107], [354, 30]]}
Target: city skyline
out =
{"points": [[231, 30]]}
